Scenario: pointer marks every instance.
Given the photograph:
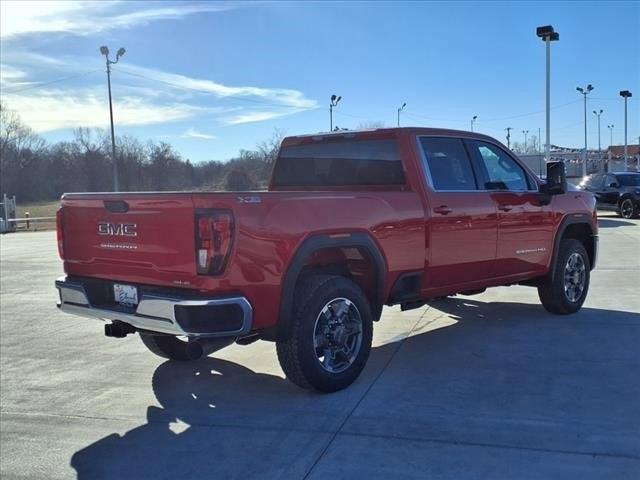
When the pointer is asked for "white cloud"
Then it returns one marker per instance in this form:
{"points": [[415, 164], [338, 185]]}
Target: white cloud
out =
{"points": [[251, 117], [193, 133], [54, 110], [90, 17], [280, 97]]}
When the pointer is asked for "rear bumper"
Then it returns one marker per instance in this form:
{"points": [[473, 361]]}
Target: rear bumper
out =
{"points": [[171, 314]]}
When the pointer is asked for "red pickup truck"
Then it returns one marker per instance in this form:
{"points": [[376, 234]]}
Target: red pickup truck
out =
{"points": [[352, 221]]}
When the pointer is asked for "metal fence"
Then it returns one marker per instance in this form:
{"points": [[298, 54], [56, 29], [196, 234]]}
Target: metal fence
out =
{"points": [[8, 220], [573, 163], [7, 213]]}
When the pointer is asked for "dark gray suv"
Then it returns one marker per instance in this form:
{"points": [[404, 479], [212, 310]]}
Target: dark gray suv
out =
{"points": [[619, 192]]}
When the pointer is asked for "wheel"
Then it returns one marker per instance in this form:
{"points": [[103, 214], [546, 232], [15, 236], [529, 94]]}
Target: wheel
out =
{"points": [[167, 346], [628, 208], [330, 334], [567, 291]]}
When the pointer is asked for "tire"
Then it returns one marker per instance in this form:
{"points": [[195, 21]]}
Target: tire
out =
{"points": [[554, 296], [166, 346], [326, 315], [628, 209]]}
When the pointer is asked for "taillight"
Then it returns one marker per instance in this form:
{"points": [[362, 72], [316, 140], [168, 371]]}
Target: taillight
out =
{"points": [[214, 235], [60, 233]]}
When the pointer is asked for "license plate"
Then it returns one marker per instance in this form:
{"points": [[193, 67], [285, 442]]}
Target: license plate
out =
{"points": [[125, 294]]}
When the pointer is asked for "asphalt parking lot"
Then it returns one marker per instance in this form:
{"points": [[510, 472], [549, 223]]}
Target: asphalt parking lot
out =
{"points": [[489, 386]]}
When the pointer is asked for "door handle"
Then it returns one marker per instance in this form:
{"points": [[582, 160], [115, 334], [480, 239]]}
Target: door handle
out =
{"points": [[443, 209], [505, 208]]}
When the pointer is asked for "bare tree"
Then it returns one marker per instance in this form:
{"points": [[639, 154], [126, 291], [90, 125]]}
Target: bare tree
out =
{"points": [[15, 134]]}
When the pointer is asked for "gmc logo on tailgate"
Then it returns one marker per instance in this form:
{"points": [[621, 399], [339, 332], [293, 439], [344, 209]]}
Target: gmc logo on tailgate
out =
{"points": [[117, 229]]}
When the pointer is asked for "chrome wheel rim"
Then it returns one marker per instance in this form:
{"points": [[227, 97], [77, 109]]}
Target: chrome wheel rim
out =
{"points": [[575, 275], [626, 208], [337, 335]]}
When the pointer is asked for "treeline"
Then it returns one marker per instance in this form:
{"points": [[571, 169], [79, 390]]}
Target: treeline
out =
{"points": [[35, 170]]}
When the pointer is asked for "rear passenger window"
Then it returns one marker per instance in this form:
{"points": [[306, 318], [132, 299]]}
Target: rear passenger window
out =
{"points": [[447, 164]]}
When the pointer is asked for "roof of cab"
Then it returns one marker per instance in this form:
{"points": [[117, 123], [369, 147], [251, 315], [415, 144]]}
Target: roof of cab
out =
{"points": [[383, 132]]}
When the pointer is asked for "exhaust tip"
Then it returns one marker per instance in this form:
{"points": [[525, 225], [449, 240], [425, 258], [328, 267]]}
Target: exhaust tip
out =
{"points": [[195, 350], [198, 349]]}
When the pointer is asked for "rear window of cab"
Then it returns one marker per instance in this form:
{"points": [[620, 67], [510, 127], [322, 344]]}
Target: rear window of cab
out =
{"points": [[339, 163]]}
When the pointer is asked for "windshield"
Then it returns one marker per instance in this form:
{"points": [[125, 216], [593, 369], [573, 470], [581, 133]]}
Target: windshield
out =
{"points": [[629, 180]]}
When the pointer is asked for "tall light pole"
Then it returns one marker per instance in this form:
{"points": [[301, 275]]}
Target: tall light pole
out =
{"points": [[526, 132], [597, 114], [473, 120], [548, 35], [105, 51], [399, 110], [625, 94], [333, 103], [585, 91], [508, 129], [610, 127]]}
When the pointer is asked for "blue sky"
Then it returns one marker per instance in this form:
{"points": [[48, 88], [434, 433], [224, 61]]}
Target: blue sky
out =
{"points": [[212, 78]]}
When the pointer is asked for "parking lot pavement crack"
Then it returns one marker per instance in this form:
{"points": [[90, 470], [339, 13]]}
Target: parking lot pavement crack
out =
{"points": [[162, 422], [492, 445], [364, 394]]}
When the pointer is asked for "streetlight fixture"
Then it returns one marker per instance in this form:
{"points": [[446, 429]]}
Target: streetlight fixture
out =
{"points": [[508, 129], [610, 127], [526, 132], [548, 35], [104, 50], [399, 110], [585, 91], [626, 94], [333, 103], [597, 114], [473, 120]]}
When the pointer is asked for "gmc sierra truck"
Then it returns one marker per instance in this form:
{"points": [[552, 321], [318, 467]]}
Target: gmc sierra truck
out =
{"points": [[351, 221]]}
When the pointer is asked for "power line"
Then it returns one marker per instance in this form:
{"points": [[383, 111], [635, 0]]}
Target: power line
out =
{"points": [[485, 120], [43, 84]]}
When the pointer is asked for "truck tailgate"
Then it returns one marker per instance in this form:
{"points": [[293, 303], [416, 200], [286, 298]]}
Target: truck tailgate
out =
{"points": [[133, 235]]}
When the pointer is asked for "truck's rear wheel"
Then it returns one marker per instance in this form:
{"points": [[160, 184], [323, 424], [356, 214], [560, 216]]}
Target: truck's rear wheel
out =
{"points": [[166, 346], [330, 337], [567, 291]]}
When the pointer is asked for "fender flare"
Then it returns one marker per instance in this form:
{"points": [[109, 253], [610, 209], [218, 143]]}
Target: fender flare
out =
{"points": [[319, 242], [571, 219]]}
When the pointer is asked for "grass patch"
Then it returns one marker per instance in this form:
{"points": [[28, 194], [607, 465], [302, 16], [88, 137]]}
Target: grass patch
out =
{"points": [[40, 209], [37, 209]]}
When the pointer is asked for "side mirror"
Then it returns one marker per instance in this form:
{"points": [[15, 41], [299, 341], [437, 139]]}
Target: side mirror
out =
{"points": [[556, 179]]}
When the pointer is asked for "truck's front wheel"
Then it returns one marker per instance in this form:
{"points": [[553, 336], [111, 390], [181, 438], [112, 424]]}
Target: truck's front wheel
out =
{"points": [[330, 334], [566, 290]]}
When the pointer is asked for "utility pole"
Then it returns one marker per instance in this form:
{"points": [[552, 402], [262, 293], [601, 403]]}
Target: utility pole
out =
{"points": [[626, 94], [585, 91], [539, 152], [548, 35], [105, 51], [473, 120], [508, 129], [399, 110], [526, 132], [333, 103], [597, 114], [539, 140]]}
